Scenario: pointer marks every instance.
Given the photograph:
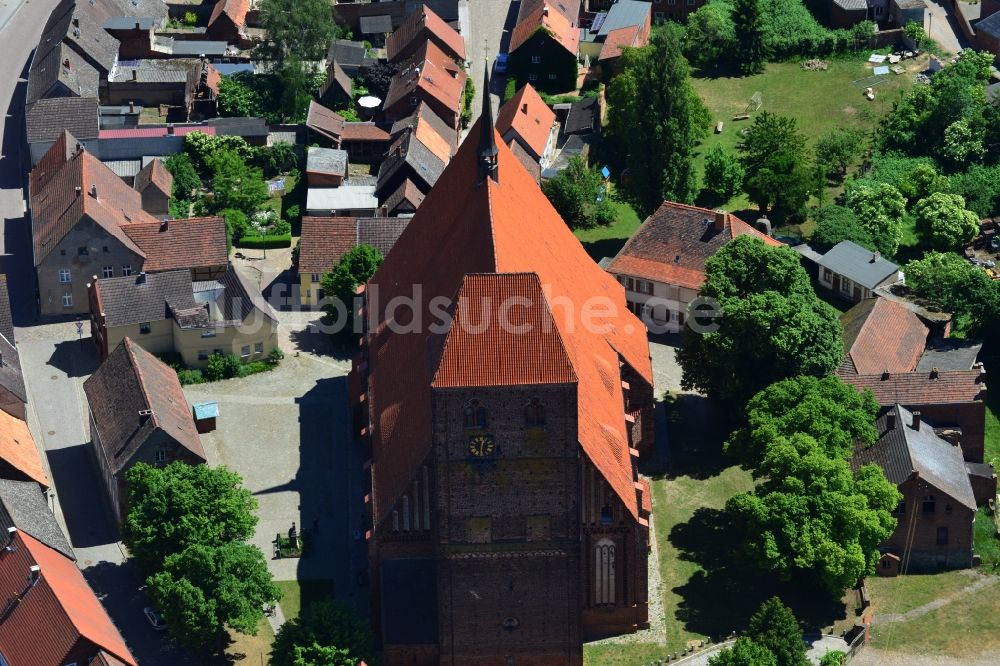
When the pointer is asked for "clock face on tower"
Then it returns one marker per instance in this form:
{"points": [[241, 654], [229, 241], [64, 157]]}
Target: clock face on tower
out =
{"points": [[481, 446]]}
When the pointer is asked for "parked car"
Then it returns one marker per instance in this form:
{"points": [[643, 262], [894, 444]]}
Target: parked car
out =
{"points": [[995, 243], [155, 619], [501, 63]]}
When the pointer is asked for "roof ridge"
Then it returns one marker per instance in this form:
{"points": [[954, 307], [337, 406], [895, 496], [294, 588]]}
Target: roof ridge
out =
{"points": [[138, 373]]}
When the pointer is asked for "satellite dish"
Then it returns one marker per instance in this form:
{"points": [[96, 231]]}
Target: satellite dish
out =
{"points": [[369, 102]]}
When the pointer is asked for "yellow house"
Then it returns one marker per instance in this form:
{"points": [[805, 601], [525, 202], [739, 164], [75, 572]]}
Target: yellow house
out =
{"points": [[168, 312]]}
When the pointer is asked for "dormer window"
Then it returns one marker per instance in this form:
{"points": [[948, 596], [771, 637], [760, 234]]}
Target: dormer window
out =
{"points": [[474, 415]]}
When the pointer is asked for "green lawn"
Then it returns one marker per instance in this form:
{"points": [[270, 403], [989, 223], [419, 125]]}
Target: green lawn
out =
{"points": [[252, 650], [603, 242], [986, 543], [904, 593], [296, 593], [992, 446]]}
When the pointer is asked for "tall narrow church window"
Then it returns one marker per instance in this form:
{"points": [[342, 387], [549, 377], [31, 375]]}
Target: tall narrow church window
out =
{"points": [[534, 414], [604, 563], [475, 415]]}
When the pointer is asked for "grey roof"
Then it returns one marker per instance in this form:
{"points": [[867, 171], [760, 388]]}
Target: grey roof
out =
{"points": [[381, 232], [574, 146], [241, 298], [446, 9], [949, 354], [88, 38], [129, 23], [241, 126], [901, 451], [47, 118], [185, 47], [376, 25], [583, 116], [425, 113], [327, 160], [155, 71], [347, 54], [11, 377], [23, 505], [61, 72], [343, 198], [124, 168], [144, 8], [849, 259], [626, 13], [990, 25], [852, 5], [136, 299], [979, 469], [409, 150], [361, 179]]}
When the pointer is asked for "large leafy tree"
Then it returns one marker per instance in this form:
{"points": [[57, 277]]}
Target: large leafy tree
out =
{"points": [[744, 652], [833, 413], [775, 628], [186, 179], [204, 589], [574, 192], [658, 118], [772, 325], [173, 507], [236, 184], [723, 171], [710, 36], [354, 269], [296, 29], [944, 222], [839, 148], [835, 224], [979, 186], [957, 286], [748, 22], [777, 167], [322, 627], [880, 208]]}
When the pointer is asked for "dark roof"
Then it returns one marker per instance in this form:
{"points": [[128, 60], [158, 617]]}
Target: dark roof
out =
{"points": [[47, 118], [324, 121], [325, 240], [446, 9], [132, 395], [326, 160], [240, 298], [583, 116], [135, 299], [406, 193], [23, 505], [337, 76], [64, 66], [154, 173], [424, 24], [902, 450], [861, 265], [990, 25], [852, 5], [348, 54], [79, 24], [242, 126], [949, 354], [881, 335], [409, 151], [626, 13], [6, 320], [980, 469], [376, 25], [11, 376]]}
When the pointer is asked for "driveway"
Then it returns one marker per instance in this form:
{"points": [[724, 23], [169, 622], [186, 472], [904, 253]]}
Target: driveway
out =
{"points": [[491, 23], [943, 28]]}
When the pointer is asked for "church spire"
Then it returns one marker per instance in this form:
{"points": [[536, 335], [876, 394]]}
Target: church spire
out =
{"points": [[487, 141]]}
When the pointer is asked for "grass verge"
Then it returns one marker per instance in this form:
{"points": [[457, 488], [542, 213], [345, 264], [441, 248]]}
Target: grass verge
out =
{"points": [[298, 593], [603, 242]]}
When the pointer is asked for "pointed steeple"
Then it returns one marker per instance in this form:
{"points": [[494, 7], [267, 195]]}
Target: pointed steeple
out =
{"points": [[487, 142]]}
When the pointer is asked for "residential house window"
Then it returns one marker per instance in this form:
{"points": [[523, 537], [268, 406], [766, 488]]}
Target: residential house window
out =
{"points": [[660, 17], [144, 328], [536, 60], [82, 251], [108, 271], [552, 77], [474, 415], [827, 275], [316, 277], [126, 269], [258, 348], [208, 334], [947, 509], [604, 563], [942, 536], [645, 287], [67, 300], [532, 77], [64, 276], [161, 456], [928, 506], [845, 285], [106, 249], [245, 351], [62, 253], [202, 354], [900, 508], [534, 414]]}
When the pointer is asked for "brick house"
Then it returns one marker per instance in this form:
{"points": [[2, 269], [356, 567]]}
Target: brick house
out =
{"points": [[674, 10], [56, 619], [544, 43], [19, 457], [662, 266], [13, 394], [881, 336], [430, 77], [155, 185], [508, 519], [527, 120], [421, 26], [137, 413], [228, 21], [626, 23], [325, 167], [934, 529]]}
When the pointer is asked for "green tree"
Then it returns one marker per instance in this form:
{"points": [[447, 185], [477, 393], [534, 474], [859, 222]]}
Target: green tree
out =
{"points": [[979, 186], [772, 325], [749, 27], [923, 181], [658, 118], [710, 36], [839, 148], [880, 209], [573, 193], [200, 147], [723, 170], [318, 655], [239, 95], [328, 625], [962, 143], [775, 628], [340, 286], [186, 180], [204, 589], [744, 652], [298, 30], [944, 223], [468, 95], [915, 31], [295, 96], [833, 413], [235, 184], [837, 223], [833, 658], [173, 507], [774, 158], [957, 286]]}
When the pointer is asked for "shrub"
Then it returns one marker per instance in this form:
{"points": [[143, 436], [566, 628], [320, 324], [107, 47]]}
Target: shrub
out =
{"points": [[231, 366], [216, 368], [275, 356], [172, 358], [723, 172], [253, 368], [188, 376], [190, 19], [511, 89], [265, 242], [292, 213]]}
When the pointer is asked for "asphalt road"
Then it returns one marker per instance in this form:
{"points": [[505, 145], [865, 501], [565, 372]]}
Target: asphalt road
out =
{"points": [[491, 23]]}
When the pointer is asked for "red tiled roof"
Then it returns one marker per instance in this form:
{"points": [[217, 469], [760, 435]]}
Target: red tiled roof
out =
{"points": [[619, 39], [422, 24], [462, 228], [61, 186], [152, 132], [155, 174], [236, 10], [881, 335], [58, 619], [529, 116], [920, 388], [324, 240], [674, 243], [432, 72], [562, 29], [364, 132], [18, 449], [198, 242]]}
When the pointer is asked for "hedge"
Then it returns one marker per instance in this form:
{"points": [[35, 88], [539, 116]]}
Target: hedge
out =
{"points": [[265, 242]]}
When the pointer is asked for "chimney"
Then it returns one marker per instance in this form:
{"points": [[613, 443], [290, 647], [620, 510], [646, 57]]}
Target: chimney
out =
{"points": [[93, 190], [916, 420], [720, 220], [163, 225], [885, 374], [138, 26], [934, 373], [545, 10], [170, 128], [141, 278], [890, 421], [144, 415], [135, 75], [131, 106], [34, 573], [78, 190], [9, 547], [875, 257]]}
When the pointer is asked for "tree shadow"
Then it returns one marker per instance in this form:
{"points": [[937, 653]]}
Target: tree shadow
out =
{"points": [[696, 428], [606, 247], [76, 358]]}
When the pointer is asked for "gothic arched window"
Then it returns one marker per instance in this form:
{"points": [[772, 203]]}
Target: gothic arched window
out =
{"points": [[604, 574], [474, 415]]}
